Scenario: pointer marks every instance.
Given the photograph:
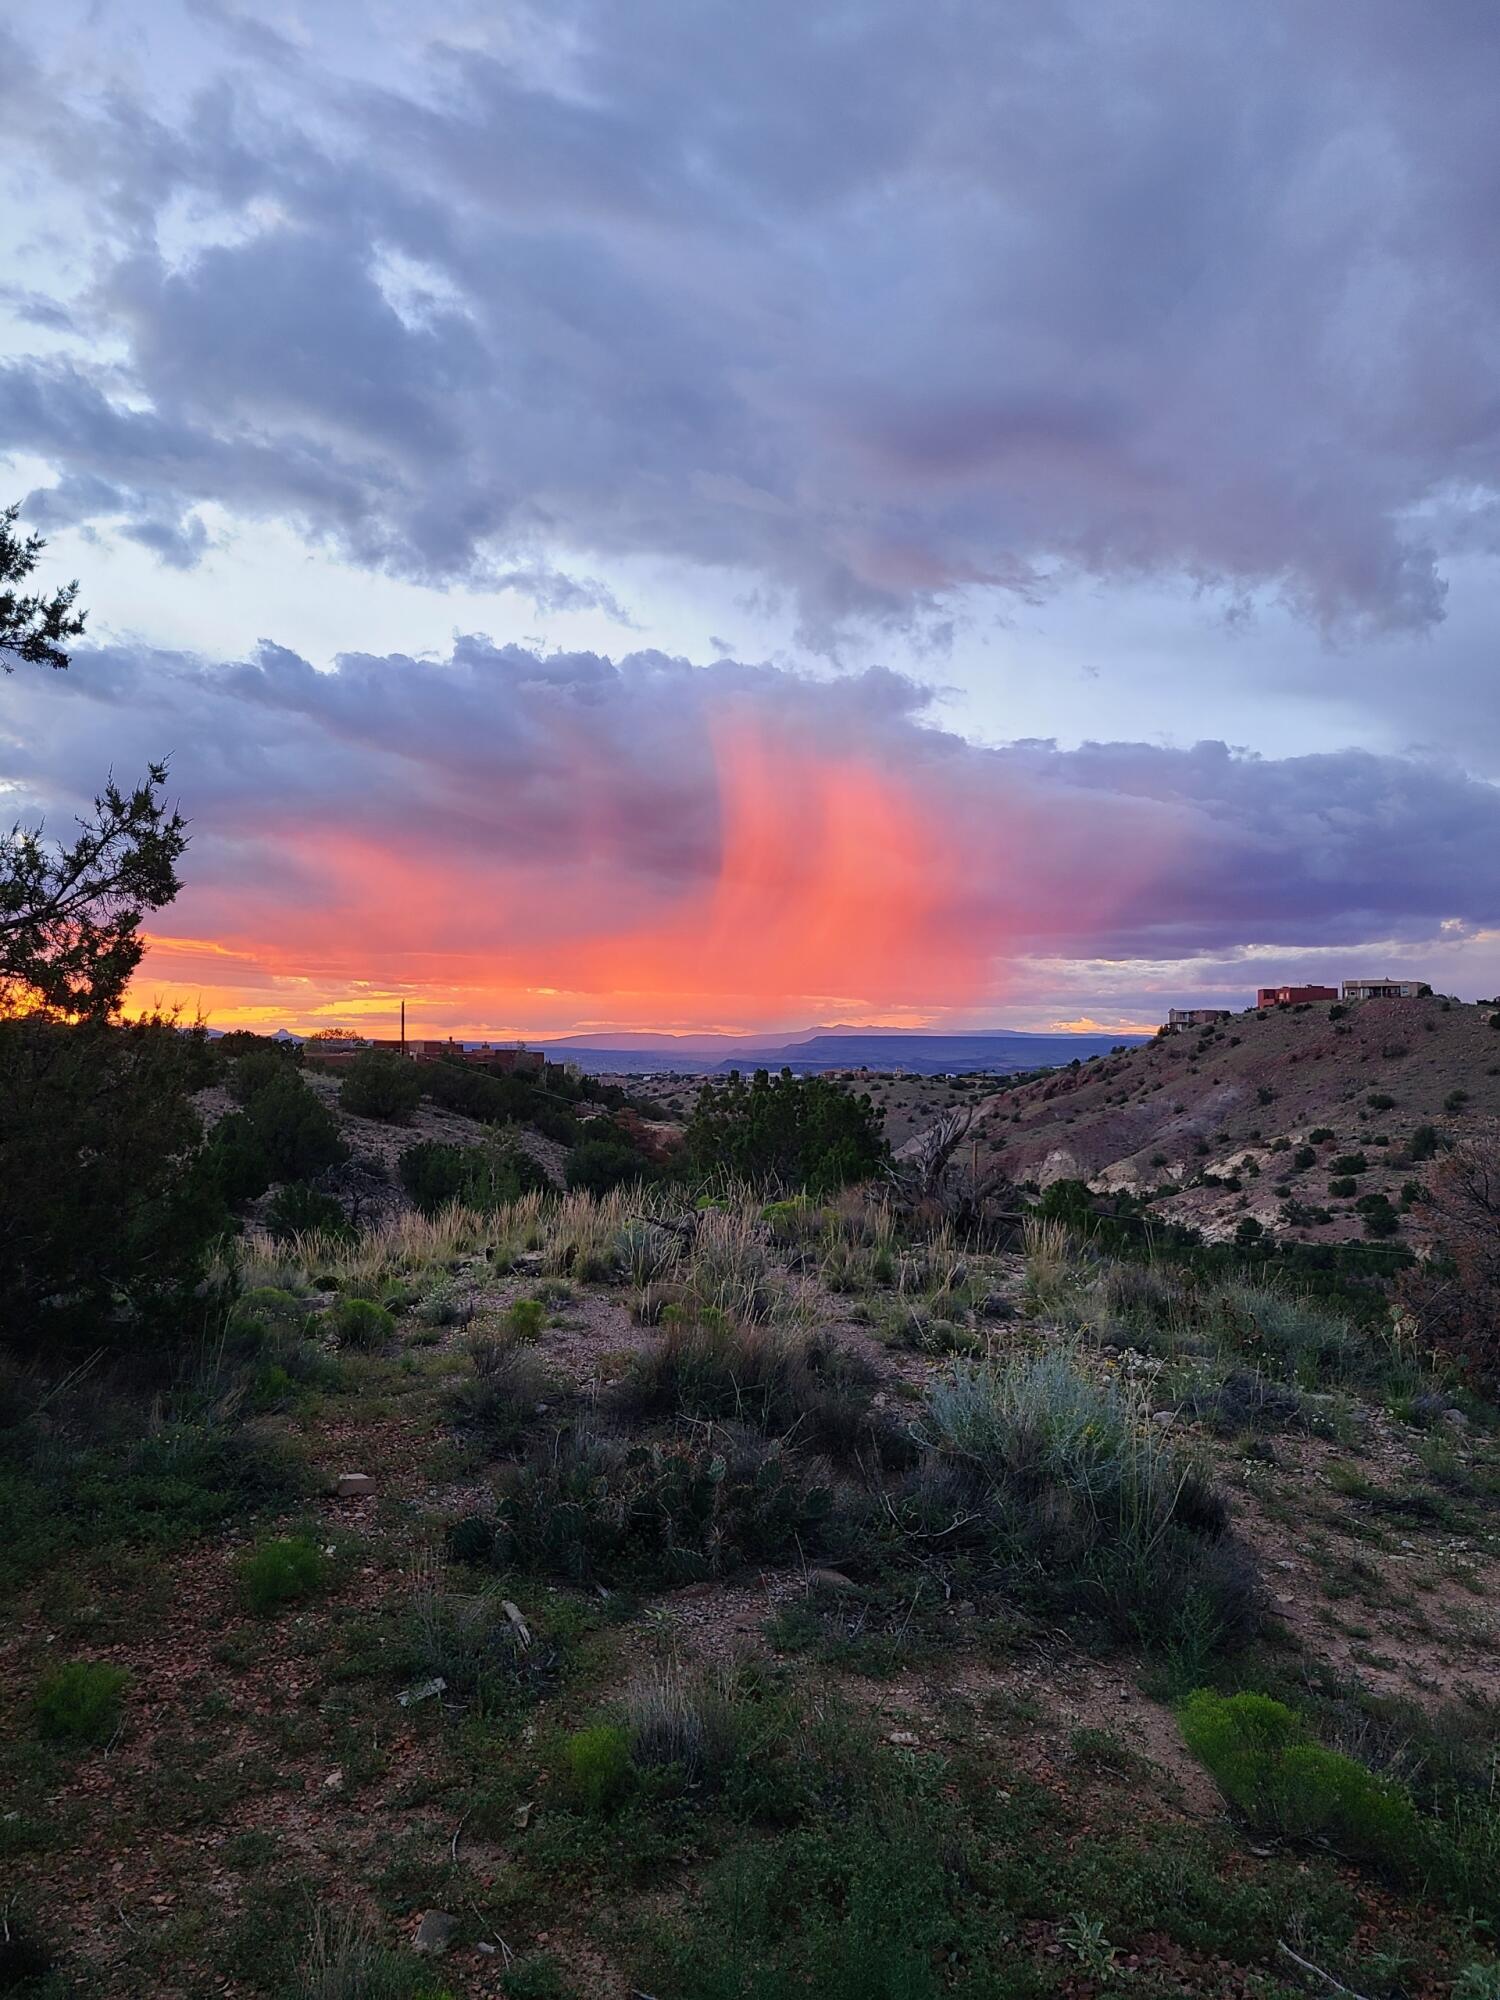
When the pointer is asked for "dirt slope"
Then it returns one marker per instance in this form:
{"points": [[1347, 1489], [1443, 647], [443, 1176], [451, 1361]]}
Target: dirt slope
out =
{"points": [[1256, 1087]]}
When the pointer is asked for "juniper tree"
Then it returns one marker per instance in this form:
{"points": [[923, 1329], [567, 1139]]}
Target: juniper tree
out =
{"points": [[70, 912]]}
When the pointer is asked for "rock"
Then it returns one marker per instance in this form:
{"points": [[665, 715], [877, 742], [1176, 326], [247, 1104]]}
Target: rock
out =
{"points": [[1162, 1417], [830, 1579], [518, 1624], [334, 1782], [1456, 1418], [353, 1485], [906, 1739], [435, 1932], [421, 1691]]}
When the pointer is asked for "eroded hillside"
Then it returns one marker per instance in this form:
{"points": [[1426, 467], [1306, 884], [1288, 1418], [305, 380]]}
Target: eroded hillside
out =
{"points": [[1305, 1112]]}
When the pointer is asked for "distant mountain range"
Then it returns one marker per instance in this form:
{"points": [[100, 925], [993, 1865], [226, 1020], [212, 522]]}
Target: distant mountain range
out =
{"points": [[998, 1052]]}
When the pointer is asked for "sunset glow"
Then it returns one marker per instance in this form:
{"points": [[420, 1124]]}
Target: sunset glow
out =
{"points": [[830, 895]]}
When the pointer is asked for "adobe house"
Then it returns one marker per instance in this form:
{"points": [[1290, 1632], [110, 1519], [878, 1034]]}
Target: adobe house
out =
{"points": [[1385, 989], [1293, 996], [1181, 1019]]}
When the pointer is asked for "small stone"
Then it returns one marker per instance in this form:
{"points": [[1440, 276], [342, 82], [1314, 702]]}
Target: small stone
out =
{"points": [[352, 1485], [904, 1738], [1162, 1417], [1456, 1418], [334, 1782], [435, 1932], [830, 1579], [422, 1691]]}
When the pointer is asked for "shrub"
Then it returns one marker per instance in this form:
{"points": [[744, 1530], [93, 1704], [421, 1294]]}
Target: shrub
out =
{"points": [[484, 1178], [1457, 1302], [596, 1165], [1348, 1163], [345, 1961], [500, 1398], [1294, 1337], [1303, 1158], [106, 1223], [1379, 1100], [526, 1320], [1341, 1189], [590, 1507], [79, 1702], [1321, 1135], [598, 1766], [1380, 1217], [297, 1210], [773, 1380], [1068, 1487], [380, 1084], [1455, 1100], [294, 1129], [286, 1571], [360, 1323], [1264, 1759], [471, 1641], [676, 1725], [235, 1162], [804, 1132]]}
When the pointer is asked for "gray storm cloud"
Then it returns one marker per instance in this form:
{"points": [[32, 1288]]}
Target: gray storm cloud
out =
{"points": [[875, 305]]}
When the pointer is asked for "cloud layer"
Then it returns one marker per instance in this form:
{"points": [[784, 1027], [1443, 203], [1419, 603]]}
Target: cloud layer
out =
{"points": [[523, 842], [874, 308]]}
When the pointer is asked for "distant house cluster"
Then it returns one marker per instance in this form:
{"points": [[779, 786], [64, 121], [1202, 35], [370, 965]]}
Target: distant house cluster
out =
{"points": [[1181, 1020], [337, 1052]]}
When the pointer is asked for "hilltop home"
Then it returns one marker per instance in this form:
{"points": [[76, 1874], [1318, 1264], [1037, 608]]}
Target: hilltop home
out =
{"points": [[1181, 1019], [1293, 996], [1385, 989]]}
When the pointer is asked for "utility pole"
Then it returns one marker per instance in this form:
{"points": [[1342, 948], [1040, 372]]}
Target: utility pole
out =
{"points": [[403, 1027]]}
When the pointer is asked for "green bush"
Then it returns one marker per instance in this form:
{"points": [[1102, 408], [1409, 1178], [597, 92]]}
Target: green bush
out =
{"points": [[1264, 1759], [1295, 1338], [296, 1132], [599, 1164], [486, 1178], [1342, 1188], [286, 1571], [79, 1702], [1062, 1486], [598, 1765], [297, 1209], [360, 1323], [526, 1321], [804, 1132], [1348, 1163], [378, 1084], [106, 1221]]}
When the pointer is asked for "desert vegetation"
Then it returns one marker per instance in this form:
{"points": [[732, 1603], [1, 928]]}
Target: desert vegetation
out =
{"points": [[887, 1591]]}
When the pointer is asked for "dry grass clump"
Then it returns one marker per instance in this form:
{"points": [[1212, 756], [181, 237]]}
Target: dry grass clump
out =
{"points": [[689, 1726], [779, 1380]]}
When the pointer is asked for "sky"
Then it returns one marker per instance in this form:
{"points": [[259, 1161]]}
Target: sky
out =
{"points": [[693, 516]]}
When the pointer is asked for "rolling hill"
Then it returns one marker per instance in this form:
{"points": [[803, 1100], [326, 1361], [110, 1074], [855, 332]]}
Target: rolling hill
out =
{"points": [[1263, 1114]]}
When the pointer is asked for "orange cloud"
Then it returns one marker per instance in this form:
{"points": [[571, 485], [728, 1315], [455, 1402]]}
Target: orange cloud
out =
{"points": [[832, 892]]}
